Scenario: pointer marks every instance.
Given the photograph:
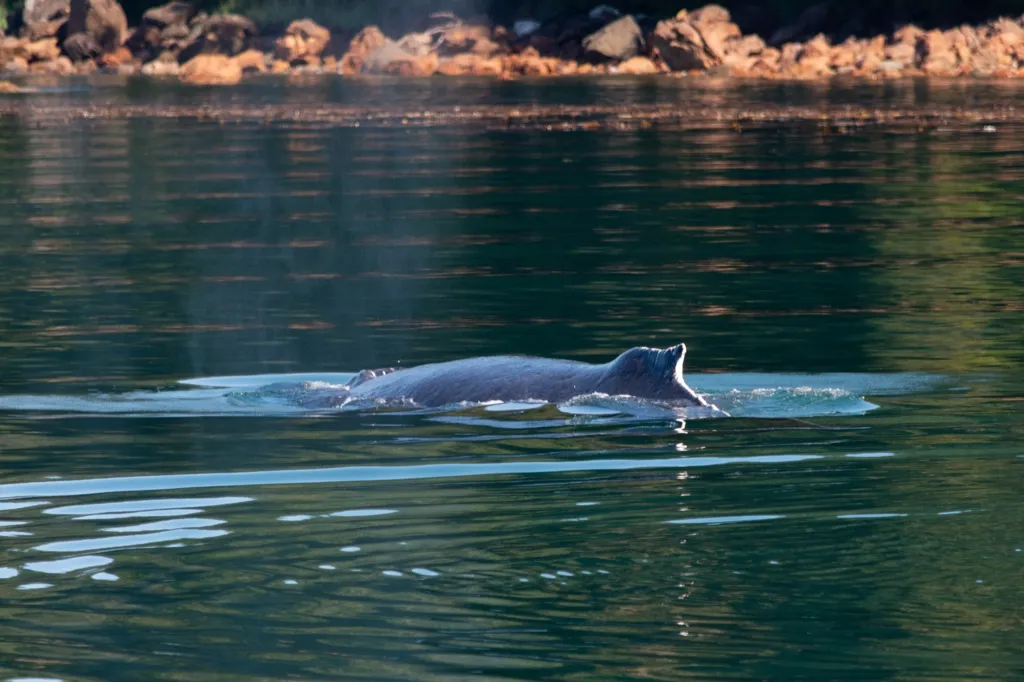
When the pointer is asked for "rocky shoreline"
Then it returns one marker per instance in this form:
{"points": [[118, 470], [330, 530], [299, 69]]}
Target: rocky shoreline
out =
{"points": [[175, 40]]}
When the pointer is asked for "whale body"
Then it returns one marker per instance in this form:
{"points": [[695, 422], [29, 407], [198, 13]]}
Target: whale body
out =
{"points": [[647, 373]]}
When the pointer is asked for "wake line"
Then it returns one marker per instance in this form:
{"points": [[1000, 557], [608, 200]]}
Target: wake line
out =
{"points": [[122, 484]]}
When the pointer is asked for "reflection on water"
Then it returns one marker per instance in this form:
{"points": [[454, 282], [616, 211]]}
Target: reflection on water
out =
{"points": [[851, 296]]}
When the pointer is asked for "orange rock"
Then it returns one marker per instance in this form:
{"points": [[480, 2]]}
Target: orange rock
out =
{"points": [[638, 66], [164, 65], [682, 46], [746, 46], [789, 55], [486, 47], [366, 41], [42, 50], [469, 64], [903, 53], [8, 88], [303, 40], [810, 60], [816, 47], [564, 67], [939, 59], [719, 36], [210, 69], [469, 38], [740, 65], [907, 35], [847, 54], [251, 60], [61, 66], [279, 66], [763, 67], [771, 56], [16, 64], [121, 55], [414, 66], [530, 63]]}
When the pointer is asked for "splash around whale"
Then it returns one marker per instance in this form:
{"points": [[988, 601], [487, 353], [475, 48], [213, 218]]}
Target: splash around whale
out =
{"points": [[646, 373]]}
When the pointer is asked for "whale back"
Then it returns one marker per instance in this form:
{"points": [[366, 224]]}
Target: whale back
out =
{"points": [[652, 373]]}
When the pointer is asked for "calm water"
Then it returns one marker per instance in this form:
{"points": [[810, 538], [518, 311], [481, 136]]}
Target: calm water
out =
{"points": [[854, 295]]}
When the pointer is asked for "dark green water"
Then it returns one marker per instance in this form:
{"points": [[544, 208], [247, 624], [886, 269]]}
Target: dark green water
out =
{"points": [[151, 530]]}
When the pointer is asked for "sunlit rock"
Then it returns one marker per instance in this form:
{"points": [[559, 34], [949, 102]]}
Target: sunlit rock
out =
{"points": [[303, 41], [211, 69]]}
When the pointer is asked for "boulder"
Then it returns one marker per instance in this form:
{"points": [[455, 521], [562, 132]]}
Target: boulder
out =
{"points": [[638, 66], [61, 66], [414, 65], [563, 35], [121, 57], [470, 64], [223, 34], [303, 40], [478, 39], [681, 46], [42, 50], [901, 53], [363, 44], [530, 63], [937, 55], [174, 13], [164, 29], [618, 41], [7, 88], [81, 47], [164, 65], [252, 61], [16, 64], [210, 69], [378, 60], [44, 18], [94, 27], [846, 56], [814, 59], [719, 37]]}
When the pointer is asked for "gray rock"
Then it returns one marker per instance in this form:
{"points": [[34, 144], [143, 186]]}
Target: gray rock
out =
{"points": [[102, 21], [618, 41], [378, 60], [171, 14], [682, 47], [226, 34], [44, 18]]}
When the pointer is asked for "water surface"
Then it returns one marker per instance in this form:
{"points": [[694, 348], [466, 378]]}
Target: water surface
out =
{"points": [[852, 294]]}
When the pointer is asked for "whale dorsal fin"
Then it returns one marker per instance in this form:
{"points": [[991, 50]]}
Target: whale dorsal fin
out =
{"points": [[667, 363], [675, 357]]}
